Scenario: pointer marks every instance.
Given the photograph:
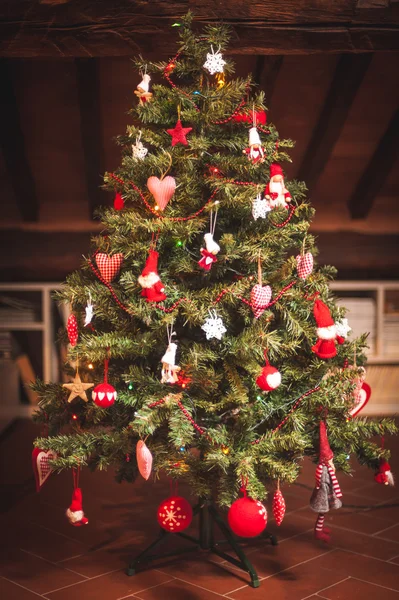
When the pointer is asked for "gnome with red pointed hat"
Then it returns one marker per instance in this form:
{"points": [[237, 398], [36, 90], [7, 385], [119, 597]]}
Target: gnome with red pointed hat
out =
{"points": [[384, 473], [326, 332], [75, 513], [153, 288], [327, 493], [276, 193]]}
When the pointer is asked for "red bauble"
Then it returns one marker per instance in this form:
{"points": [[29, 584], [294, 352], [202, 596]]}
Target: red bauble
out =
{"points": [[104, 395], [175, 514], [247, 517], [72, 330], [269, 379]]}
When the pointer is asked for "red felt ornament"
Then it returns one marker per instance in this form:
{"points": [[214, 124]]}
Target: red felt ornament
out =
{"points": [[270, 377], [179, 133], [326, 332], [162, 190], [278, 506], [384, 473], [276, 193], [104, 394], [74, 513], [175, 514], [247, 517], [41, 465], [153, 288], [119, 203], [109, 266], [304, 265], [72, 330], [260, 117]]}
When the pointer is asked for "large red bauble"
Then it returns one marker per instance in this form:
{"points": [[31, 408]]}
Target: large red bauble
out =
{"points": [[175, 514], [247, 517], [104, 395], [269, 379]]}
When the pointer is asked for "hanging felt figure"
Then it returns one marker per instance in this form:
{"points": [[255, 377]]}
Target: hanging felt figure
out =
{"points": [[326, 332], [142, 92], [169, 368], [254, 151], [75, 513], [384, 473], [153, 288], [276, 193], [327, 493], [211, 247]]}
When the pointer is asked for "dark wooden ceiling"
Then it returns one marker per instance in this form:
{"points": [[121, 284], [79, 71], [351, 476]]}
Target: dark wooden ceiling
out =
{"points": [[68, 81]]}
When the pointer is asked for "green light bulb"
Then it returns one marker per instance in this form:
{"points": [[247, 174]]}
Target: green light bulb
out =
{"points": [[179, 243]]}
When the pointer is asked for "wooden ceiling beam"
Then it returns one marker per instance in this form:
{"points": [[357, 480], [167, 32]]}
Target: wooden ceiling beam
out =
{"points": [[87, 28], [87, 75], [348, 76], [376, 172], [13, 145]]}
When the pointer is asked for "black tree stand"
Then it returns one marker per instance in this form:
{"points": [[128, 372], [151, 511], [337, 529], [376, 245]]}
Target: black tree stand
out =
{"points": [[208, 515]]}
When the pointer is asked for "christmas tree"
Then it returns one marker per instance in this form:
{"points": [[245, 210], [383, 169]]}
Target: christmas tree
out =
{"points": [[213, 345]]}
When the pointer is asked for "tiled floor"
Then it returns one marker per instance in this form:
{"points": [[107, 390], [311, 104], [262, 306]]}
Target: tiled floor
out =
{"points": [[42, 556]]}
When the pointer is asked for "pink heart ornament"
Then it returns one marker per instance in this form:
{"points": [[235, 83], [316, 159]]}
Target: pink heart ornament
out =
{"points": [[304, 265], [144, 459], [109, 266], [260, 298], [41, 467], [162, 190]]}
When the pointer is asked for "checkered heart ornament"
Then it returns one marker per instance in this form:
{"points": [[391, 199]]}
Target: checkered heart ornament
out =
{"points": [[304, 265], [260, 298], [41, 465], [108, 266]]}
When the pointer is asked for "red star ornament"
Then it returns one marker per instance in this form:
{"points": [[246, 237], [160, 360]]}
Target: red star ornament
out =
{"points": [[179, 134]]}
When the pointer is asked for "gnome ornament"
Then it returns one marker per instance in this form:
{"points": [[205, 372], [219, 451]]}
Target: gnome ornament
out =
{"points": [[153, 288], [327, 493], [276, 193], [384, 474], [75, 513], [325, 347], [169, 367], [254, 152], [142, 92], [211, 247]]}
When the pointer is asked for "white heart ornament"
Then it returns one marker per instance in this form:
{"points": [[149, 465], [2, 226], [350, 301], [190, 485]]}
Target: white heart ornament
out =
{"points": [[101, 395], [162, 190], [260, 298], [41, 466], [274, 380], [362, 397], [110, 396], [304, 265], [144, 459]]}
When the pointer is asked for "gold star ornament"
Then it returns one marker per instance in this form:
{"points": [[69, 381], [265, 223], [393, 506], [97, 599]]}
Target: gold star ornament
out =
{"points": [[77, 388]]}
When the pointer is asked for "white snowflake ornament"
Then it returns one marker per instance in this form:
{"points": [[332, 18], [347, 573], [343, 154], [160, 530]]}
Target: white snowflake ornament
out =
{"points": [[343, 328], [214, 327], [260, 208], [214, 62], [138, 150]]}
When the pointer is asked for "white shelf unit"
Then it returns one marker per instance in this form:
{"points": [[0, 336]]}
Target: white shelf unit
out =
{"points": [[378, 291], [10, 407]]}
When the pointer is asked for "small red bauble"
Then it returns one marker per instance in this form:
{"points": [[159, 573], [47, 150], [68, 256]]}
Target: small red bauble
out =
{"points": [[104, 395], [247, 517], [175, 514], [72, 330], [269, 379]]}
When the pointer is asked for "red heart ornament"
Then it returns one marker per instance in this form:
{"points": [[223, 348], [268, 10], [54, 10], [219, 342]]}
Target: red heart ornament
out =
{"points": [[362, 397], [162, 190], [41, 466], [304, 265], [260, 298], [109, 265]]}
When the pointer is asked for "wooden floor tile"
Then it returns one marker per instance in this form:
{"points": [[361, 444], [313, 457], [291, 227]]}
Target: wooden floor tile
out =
{"points": [[362, 567], [110, 587], [354, 589], [177, 590], [12, 591]]}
